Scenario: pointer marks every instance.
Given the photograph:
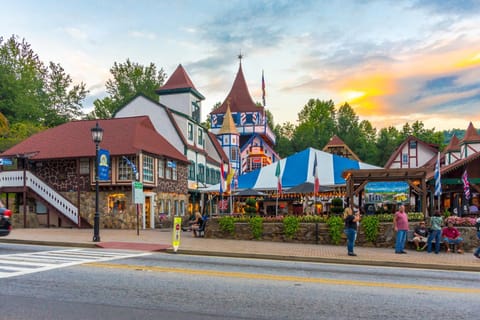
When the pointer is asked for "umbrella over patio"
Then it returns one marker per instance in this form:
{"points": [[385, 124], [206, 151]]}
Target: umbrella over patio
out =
{"points": [[307, 187]]}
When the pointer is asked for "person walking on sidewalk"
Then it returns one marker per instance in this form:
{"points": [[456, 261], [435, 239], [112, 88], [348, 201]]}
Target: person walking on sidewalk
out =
{"points": [[400, 224], [351, 222], [435, 232], [477, 251]]}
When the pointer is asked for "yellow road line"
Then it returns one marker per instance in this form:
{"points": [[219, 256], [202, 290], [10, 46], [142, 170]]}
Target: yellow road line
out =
{"points": [[243, 275]]}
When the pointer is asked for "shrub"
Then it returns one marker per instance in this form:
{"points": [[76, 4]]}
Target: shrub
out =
{"points": [[370, 226], [256, 226], [227, 224], [290, 226], [335, 227]]}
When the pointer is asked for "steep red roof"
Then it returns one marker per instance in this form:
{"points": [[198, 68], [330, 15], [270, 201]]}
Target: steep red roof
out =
{"points": [[178, 80], [453, 145], [335, 141], [239, 97], [471, 135], [73, 140]]}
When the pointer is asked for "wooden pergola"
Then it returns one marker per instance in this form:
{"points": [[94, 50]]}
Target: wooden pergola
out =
{"points": [[356, 181]]}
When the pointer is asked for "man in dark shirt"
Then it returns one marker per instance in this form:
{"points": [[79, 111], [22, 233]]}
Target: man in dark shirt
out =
{"points": [[420, 235]]}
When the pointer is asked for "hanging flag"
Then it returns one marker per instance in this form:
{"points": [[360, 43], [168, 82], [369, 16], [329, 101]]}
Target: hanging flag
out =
{"points": [[263, 89], [466, 185], [315, 175], [222, 179], [231, 173], [438, 182], [279, 177]]}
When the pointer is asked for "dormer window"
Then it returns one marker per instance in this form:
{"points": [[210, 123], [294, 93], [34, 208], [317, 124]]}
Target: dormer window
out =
{"points": [[196, 111]]}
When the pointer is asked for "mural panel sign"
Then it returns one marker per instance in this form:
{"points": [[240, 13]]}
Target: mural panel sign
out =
{"points": [[387, 192]]}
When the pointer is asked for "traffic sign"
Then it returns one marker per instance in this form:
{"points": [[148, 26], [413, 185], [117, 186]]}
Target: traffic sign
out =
{"points": [[177, 225]]}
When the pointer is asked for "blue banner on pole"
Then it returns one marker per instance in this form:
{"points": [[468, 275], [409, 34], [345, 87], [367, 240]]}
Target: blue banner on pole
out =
{"points": [[103, 165]]}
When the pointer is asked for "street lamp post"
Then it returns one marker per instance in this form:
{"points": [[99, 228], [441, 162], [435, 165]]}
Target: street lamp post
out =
{"points": [[97, 135]]}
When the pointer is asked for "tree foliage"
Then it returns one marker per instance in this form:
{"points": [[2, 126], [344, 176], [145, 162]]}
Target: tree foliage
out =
{"points": [[35, 93], [129, 79], [319, 120]]}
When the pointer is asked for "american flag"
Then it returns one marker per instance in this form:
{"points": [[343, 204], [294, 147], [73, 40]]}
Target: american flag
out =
{"points": [[466, 185]]}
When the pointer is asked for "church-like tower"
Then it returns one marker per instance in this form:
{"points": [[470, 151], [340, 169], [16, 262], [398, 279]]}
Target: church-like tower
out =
{"points": [[229, 140], [256, 138]]}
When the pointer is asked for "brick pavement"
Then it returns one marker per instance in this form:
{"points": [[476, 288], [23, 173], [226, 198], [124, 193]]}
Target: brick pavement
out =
{"points": [[161, 239]]}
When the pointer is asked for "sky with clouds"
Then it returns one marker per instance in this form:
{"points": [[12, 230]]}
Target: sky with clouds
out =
{"points": [[393, 61]]}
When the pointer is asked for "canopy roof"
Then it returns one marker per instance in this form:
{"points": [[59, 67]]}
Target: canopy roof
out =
{"points": [[299, 168]]}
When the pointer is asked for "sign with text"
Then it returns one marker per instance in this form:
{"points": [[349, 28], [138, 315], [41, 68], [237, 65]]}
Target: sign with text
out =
{"points": [[387, 192], [103, 165], [137, 191]]}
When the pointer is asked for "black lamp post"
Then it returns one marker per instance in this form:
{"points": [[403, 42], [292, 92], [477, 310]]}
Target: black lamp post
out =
{"points": [[97, 135]]}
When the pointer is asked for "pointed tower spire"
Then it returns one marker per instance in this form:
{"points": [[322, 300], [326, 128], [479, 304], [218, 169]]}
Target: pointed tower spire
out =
{"points": [[228, 126], [239, 96]]}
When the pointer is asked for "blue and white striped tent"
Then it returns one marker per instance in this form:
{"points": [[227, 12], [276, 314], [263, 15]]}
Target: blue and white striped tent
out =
{"points": [[298, 168]]}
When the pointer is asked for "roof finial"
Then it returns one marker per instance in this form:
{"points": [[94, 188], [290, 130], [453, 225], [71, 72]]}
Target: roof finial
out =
{"points": [[240, 56]]}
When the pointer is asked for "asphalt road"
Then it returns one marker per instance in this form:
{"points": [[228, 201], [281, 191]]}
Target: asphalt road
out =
{"points": [[109, 284]]}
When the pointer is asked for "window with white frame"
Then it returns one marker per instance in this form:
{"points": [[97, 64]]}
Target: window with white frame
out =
{"points": [[200, 137], [161, 168], [404, 158], [148, 169], [174, 170], [84, 166], [124, 170], [191, 171], [207, 175], [190, 131], [182, 207], [201, 173]]}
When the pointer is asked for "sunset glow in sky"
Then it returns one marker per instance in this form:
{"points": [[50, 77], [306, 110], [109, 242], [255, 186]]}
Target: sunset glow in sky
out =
{"points": [[393, 61]]}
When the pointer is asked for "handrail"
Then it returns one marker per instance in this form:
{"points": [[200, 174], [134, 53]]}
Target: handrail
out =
{"points": [[57, 200]]}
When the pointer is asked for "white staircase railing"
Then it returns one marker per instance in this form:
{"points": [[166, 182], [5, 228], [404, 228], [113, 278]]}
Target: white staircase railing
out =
{"points": [[58, 201]]}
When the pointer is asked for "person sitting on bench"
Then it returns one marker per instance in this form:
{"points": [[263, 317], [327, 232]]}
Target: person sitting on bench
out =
{"points": [[451, 235], [195, 223], [420, 235]]}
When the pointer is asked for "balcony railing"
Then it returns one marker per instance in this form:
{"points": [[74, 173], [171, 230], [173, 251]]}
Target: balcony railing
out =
{"points": [[55, 199]]}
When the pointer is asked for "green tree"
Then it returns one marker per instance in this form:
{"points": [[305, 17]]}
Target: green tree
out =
{"points": [[348, 127], [32, 92], [388, 140], [129, 79], [284, 144], [366, 149], [316, 125]]}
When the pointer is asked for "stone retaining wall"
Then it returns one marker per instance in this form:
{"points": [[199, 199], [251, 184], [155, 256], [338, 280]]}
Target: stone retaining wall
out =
{"points": [[317, 233]]}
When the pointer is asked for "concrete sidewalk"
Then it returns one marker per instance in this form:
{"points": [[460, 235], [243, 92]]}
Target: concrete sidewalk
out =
{"points": [[161, 239]]}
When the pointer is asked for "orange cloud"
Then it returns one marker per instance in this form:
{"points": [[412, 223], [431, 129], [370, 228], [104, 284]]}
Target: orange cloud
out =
{"points": [[365, 93]]}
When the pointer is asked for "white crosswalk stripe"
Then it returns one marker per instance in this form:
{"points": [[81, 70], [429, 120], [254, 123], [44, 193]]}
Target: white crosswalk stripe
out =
{"points": [[12, 265]]}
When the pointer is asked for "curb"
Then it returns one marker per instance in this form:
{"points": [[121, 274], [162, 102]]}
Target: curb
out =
{"points": [[51, 243], [382, 263]]}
